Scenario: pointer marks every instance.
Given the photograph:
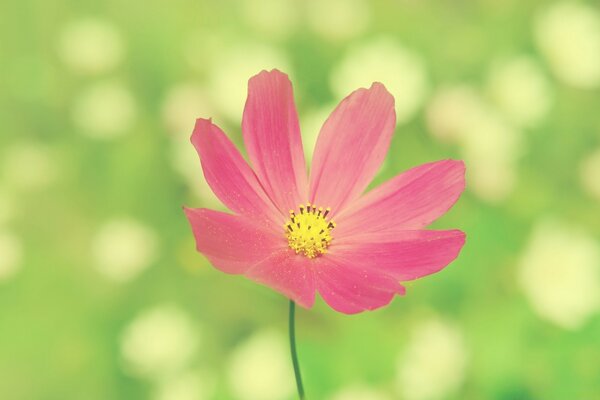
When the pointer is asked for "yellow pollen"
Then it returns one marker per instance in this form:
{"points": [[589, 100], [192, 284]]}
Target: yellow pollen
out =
{"points": [[309, 232]]}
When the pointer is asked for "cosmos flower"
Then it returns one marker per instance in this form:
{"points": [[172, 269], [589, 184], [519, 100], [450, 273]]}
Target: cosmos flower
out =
{"points": [[302, 234]]}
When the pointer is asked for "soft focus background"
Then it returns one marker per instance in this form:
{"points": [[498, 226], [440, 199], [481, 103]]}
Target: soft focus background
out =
{"points": [[102, 295]]}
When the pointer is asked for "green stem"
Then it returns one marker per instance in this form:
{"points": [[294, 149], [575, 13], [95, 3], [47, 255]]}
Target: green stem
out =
{"points": [[292, 327]]}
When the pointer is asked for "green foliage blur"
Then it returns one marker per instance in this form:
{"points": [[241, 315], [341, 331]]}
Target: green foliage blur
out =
{"points": [[102, 294]]}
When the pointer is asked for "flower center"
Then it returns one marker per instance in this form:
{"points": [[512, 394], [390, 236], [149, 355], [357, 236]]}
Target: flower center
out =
{"points": [[309, 232]]}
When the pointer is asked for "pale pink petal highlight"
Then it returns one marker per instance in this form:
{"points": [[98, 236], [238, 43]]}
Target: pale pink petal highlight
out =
{"points": [[272, 137], [411, 200], [230, 177], [288, 273], [404, 255], [232, 243], [350, 288], [351, 147]]}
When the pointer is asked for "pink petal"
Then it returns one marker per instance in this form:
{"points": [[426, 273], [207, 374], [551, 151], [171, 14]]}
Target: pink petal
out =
{"points": [[272, 136], [351, 147], [230, 177], [232, 243], [288, 273], [403, 255], [411, 200], [350, 288]]}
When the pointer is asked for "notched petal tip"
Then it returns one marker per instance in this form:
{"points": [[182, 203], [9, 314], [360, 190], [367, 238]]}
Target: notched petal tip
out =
{"points": [[201, 127], [192, 214], [454, 249], [288, 274], [459, 165], [306, 303], [377, 93], [460, 169], [354, 306], [379, 86], [457, 170], [454, 233], [445, 234], [381, 90], [460, 234], [463, 169], [401, 290], [376, 89], [189, 211], [203, 122], [455, 163], [273, 74]]}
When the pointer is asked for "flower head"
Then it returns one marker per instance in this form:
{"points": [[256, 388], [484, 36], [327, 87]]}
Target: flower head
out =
{"points": [[282, 231]]}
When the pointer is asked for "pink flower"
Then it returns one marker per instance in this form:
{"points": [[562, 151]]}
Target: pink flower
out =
{"points": [[282, 233]]}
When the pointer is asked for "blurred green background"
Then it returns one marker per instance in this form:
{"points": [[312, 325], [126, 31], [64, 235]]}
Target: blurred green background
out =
{"points": [[102, 295]]}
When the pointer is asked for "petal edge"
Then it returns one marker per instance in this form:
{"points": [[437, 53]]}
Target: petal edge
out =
{"points": [[411, 200], [229, 176], [232, 243], [355, 137], [272, 136]]}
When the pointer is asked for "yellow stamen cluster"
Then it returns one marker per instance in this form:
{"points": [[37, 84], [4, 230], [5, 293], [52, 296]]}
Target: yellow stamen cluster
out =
{"points": [[309, 232]]}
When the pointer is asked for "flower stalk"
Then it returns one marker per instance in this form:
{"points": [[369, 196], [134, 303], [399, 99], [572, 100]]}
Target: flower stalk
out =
{"points": [[292, 329]]}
